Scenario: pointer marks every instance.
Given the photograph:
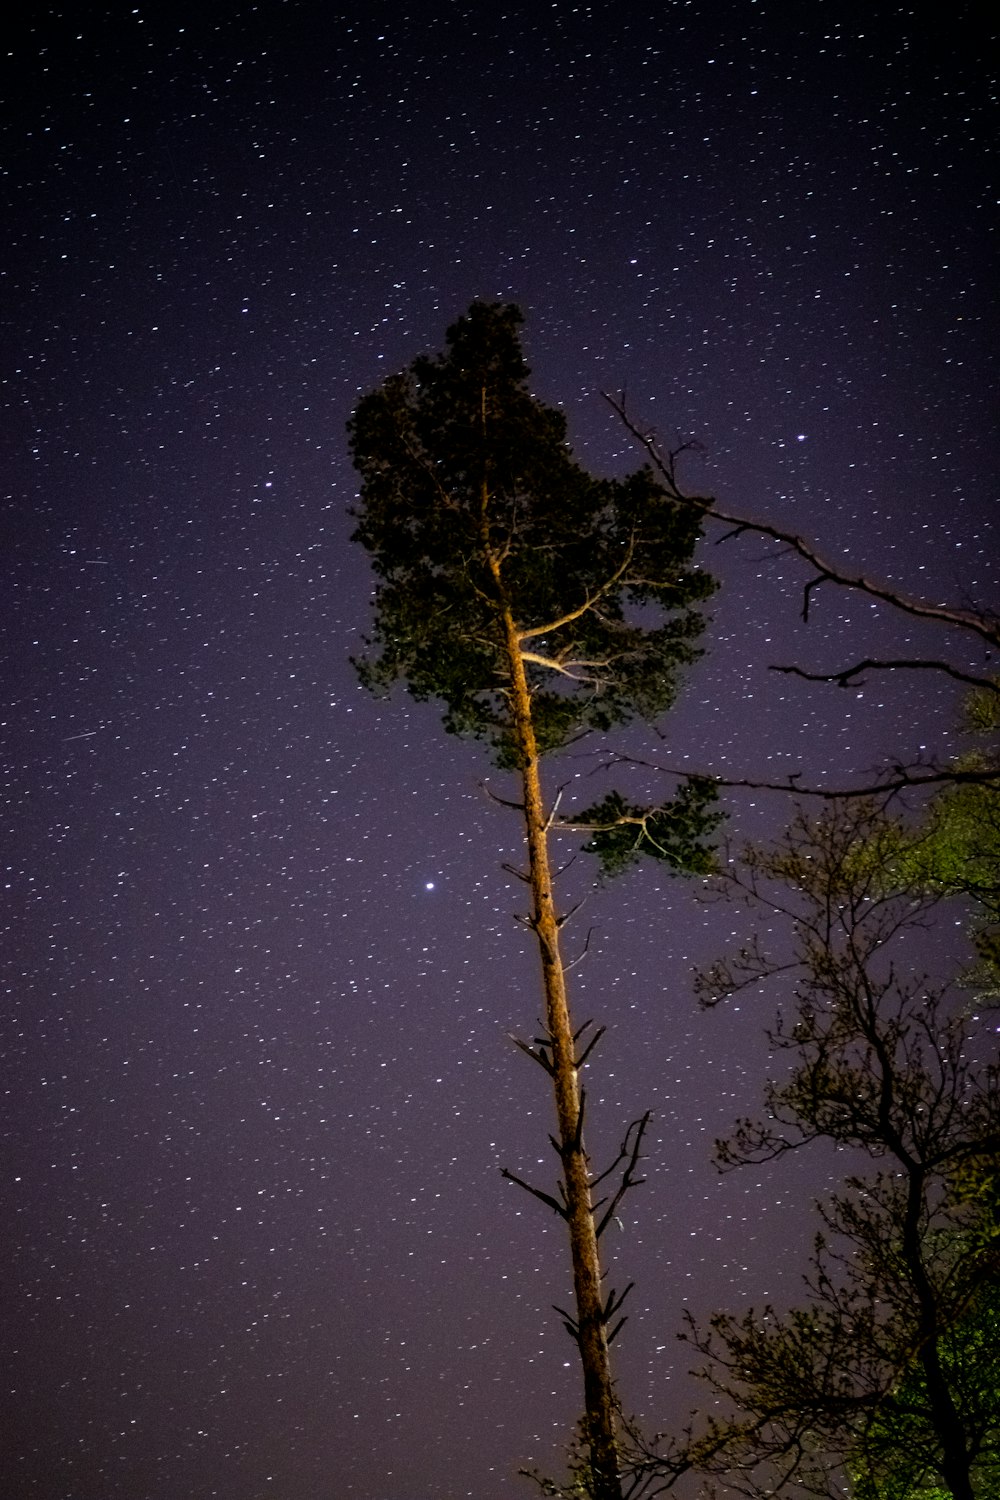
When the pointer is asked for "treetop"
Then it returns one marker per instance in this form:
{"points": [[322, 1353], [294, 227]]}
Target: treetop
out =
{"points": [[474, 512]]}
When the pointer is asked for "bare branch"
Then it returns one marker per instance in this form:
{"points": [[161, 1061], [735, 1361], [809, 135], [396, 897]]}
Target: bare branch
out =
{"points": [[570, 1324], [590, 1046], [545, 1198], [631, 1151], [537, 1054], [501, 801], [899, 779], [895, 779], [571, 912], [572, 963], [986, 626], [845, 677]]}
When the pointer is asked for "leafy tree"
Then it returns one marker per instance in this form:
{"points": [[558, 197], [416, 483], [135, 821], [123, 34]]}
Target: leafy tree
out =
{"points": [[887, 1372], [535, 603], [898, 1460], [955, 847], [891, 1372]]}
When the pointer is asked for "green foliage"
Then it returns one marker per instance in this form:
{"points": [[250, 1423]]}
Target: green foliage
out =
{"points": [[955, 848], [896, 1460], [620, 833], [472, 506], [982, 710]]}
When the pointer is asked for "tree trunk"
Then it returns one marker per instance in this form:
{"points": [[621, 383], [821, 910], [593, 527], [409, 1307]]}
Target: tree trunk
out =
{"points": [[591, 1323], [956, 1465]]}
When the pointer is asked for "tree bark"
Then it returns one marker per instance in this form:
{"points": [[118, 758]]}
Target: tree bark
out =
{"points": [[956, 1465], [591, 1323]]}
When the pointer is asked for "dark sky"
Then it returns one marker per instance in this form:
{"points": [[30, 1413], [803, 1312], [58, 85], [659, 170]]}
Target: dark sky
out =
{"points": [[260, 960]]}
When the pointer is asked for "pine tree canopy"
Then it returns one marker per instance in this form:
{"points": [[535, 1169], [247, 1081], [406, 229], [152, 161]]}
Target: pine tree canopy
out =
{"points": [[476, 515]]}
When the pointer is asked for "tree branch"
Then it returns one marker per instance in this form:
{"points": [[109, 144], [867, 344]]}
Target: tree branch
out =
{"points": [[986, 626], [588, 603], [897, 778], [545, 1198], [630, 1150], [555, 666], [844, 677]]}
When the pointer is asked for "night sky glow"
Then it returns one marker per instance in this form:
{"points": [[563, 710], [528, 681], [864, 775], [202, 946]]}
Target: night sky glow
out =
{"points": [[259, 956]]}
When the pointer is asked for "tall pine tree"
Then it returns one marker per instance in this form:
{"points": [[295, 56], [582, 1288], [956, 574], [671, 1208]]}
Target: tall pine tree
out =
{"points": [[534, 602]]}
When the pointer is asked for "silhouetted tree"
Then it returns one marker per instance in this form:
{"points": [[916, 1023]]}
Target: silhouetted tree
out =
{"points": [[534, 602], [890, 1373]]}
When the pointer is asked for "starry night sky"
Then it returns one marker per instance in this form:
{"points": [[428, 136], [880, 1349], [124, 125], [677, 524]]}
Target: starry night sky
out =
{"points": [[260, 963]]}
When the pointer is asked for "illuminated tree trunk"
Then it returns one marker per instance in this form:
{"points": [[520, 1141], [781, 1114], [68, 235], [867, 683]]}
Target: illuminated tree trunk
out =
{"points": [[488, 540], [591, 1320]]}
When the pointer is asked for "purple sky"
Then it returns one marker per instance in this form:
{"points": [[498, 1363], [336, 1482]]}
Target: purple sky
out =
{"points": [[259, 958]]}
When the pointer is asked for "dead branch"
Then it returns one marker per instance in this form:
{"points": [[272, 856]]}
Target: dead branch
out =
{"points": [[572, 963], [629, 1152], [545, 1198], [502, 801], [590, 1045], [845, 677], [612, 1306], [895, 779], [982, 624], [537, 1053]]}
